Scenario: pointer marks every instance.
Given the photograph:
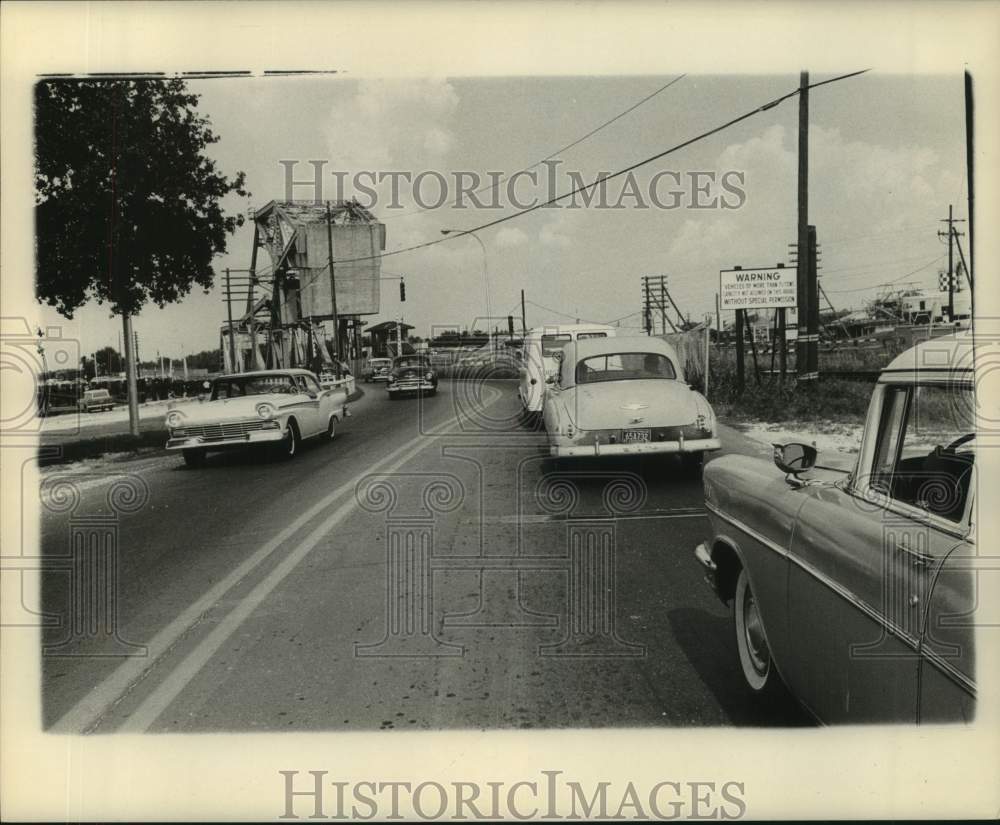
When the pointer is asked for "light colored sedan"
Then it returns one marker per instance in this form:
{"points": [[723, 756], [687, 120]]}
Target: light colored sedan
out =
{"points": [[625, 396], [271, 408]]}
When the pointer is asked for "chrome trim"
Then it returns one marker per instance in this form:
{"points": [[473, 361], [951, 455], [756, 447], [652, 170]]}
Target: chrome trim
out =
{"points": [[950, 671], [777, 548], [915, 644]]}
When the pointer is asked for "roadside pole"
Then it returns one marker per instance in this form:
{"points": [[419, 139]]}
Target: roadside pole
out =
{"points": [[333, 292], [524, 323], [229, 315], [740, 372], [133, 385], [805, 345]]}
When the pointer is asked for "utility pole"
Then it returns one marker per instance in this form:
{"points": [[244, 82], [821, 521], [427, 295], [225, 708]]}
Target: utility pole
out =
{"points": [[970, 187], [229, 315], [780, 343], [952, 234], [333, 291], [647, 315], [131, 356], [524, 323], [808, 319]]}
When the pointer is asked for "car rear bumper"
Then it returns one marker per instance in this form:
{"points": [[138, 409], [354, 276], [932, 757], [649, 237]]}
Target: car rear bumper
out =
{"points": [[700, 445], [212, 443]]}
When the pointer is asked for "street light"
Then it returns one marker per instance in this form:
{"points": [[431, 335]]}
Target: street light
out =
{"points": [[486, 276]]}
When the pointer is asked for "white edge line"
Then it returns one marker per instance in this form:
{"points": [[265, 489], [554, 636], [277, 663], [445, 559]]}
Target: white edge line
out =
{"points": [[92, 706]]}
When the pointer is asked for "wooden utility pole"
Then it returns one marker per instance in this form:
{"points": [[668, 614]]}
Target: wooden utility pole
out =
{"points": [[229, 315], [333, 291], [970, 187], [740, 369], [250, 300], [780, 343], [130, 367], [524, 323], [806, 345]]}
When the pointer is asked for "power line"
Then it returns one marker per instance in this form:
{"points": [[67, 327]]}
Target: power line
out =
{"points": [[568, 146], [887, 283], [458, 234]]}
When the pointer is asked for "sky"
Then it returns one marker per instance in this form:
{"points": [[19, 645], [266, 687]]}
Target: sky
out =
{"points": [[886, 152]]}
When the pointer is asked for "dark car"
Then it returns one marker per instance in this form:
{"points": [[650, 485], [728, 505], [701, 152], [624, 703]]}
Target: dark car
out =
{"points": [[412, 373]]}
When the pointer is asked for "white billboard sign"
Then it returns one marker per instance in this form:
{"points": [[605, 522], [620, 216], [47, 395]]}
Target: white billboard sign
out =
{"points": [[757, 288]]}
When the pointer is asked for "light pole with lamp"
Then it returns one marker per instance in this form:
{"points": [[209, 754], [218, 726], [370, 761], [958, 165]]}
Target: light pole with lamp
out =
{"points": [[486, 277]]}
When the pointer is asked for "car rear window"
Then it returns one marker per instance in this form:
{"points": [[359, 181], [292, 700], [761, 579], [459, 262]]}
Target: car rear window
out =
{"points": [[624, 366]]}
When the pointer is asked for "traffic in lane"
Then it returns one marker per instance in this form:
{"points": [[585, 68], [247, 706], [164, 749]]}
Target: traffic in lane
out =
{"points": [[265, 603]]}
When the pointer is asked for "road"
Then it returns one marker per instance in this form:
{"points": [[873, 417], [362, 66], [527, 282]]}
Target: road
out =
{"points": [[429, 569]]}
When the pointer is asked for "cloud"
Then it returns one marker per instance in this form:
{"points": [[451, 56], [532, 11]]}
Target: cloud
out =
{"points": [[392, 125], [509, 237]]}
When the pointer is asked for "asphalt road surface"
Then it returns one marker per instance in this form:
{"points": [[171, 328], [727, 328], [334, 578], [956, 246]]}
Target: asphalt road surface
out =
{"points": [[430, 568]]}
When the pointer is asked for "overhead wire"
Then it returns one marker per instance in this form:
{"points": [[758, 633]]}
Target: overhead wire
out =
{"points": [[580, 189], [562, 149]]}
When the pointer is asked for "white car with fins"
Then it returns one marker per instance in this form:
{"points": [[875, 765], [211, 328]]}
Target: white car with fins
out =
{"points": [[273, 409]]}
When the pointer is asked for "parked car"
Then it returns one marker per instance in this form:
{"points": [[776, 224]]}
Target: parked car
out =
{"points": [[273, 409], [537, 358], [96, 401], [412, 373], [624, 396], [855, 591], [378, 370]]}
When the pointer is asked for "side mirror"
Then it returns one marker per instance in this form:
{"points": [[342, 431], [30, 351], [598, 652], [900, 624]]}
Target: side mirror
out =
{"points": [[794, 458]]}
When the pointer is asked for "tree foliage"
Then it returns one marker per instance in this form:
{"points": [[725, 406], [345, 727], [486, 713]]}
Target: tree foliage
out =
{"points": [[128, 205]]}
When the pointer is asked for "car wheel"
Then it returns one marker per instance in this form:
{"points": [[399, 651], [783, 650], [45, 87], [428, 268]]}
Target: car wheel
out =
{"points": [[751, 642], [194, 458], [331, 428], [433, 392], [289, 445]]}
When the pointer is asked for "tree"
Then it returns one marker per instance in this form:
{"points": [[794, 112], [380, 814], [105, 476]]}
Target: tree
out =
{"points": [[127, 203]]}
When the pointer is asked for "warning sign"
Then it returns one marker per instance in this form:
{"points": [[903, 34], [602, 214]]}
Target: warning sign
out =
{"points": [[756, 288]]}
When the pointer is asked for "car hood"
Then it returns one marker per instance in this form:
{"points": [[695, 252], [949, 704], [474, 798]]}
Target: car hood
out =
{"points": [[612, 404], [231, 409]]}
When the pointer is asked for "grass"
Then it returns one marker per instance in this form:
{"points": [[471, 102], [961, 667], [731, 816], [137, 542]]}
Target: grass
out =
{"points": [[775, 401]]}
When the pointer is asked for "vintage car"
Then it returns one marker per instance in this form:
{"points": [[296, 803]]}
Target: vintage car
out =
{"points": [[412, 373], [625, 396], [537, 358], [96, 401], [855, 591], [275, 409], [378, 370]]}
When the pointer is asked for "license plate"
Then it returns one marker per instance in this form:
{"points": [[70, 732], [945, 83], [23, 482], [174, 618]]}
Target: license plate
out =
{"points": [[635, 436]]}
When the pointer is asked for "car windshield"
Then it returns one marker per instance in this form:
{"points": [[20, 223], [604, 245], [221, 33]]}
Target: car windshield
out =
{"points": [[552, 344], [411, 361], [242, 386], [624, 366]]}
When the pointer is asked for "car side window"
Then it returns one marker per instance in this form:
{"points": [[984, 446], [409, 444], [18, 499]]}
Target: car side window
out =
{"points": [[312, 385], [925, 452]]}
